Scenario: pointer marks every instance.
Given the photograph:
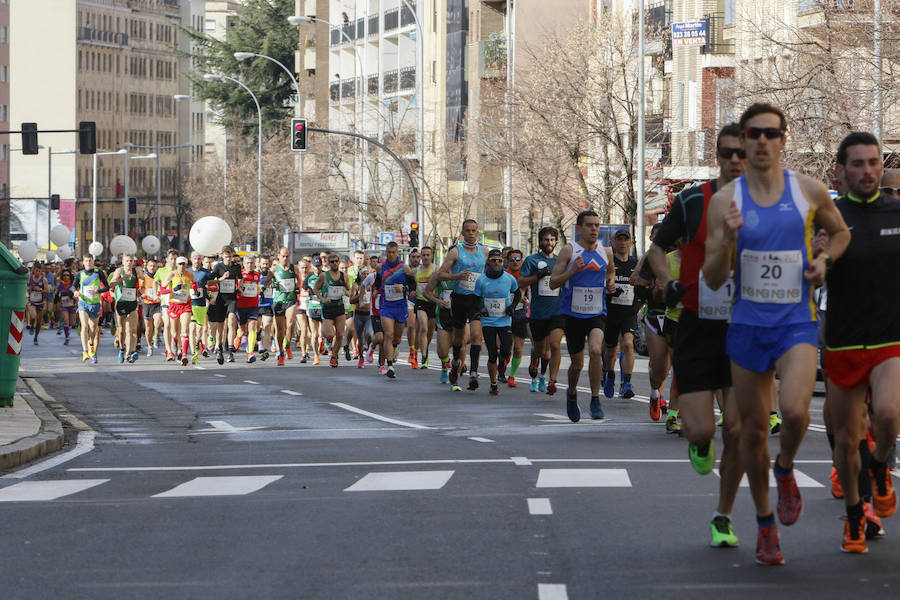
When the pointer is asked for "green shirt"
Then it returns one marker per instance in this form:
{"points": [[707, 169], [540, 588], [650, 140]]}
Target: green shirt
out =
{"points": [[289, 277]]}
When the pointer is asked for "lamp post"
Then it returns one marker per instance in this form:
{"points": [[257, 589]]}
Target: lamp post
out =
{"points": [[211, 77], [156, 152], [420, 94], [296, 20], [299, 112]]}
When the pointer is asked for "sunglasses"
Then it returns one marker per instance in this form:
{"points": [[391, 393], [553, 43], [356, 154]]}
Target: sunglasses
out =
{"points": [[515, 260], [727, 153], [893, 191], [498, 259], [334, 261], [771, 133]]}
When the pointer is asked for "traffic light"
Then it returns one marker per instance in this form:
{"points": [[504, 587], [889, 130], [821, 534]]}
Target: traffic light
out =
{"points": [[54, 201], [132, 206], [29, 138], [413, 235], [87, 137], [298, 135]]}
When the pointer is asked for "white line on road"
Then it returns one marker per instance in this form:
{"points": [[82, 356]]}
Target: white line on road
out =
{"points": [[408, 480], [379, 417], [84, 445], [552, 591], [803, 480], [552, 416], [539, 506], [291, 393], [219, 486], [482, 440], [520, 461], [251, 382], [225, 427], [219, 375], [29, 491], [564, 478]]}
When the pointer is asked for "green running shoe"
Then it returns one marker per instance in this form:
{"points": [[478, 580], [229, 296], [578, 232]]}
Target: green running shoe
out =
{"points": [[720, 420], [672, 425], [722, 533], [774, 423], [702, 464], [424, 364]]}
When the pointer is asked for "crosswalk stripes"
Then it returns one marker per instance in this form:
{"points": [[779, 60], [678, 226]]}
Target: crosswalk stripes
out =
{"points": [[564, 478], [803, 480], [401, 481], [46, 490], [219, 486]]}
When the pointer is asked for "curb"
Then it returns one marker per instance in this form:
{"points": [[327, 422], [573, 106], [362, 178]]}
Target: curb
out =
{"points": [[49, 439]]}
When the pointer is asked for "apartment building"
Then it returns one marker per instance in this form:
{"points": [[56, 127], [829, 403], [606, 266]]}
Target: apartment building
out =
{"points": [[114, 62], [4, 122]]}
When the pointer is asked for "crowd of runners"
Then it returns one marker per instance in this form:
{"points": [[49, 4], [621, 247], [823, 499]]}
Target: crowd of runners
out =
{"points": [[731, 296]]}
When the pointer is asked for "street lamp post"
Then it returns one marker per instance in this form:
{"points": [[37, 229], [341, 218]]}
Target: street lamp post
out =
{"points": [[211, 77], [420, 93], [246, 55]]}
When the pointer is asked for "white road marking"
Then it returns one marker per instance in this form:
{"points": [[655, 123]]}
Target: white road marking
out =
{"points": [[552, 591], [29, 491], [520, 461], [251, 382], [379, 417], [803, 480], [291, 393], [219, 375], [399, 481], [219, 486], [557, 478], [84, 445], [482, 440], [199, 368], [539, 506], [552, 416], [225, 427]]}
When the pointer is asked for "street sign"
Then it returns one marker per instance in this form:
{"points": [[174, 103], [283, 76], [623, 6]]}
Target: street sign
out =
{"points": [[322, 240], [385, 237]]}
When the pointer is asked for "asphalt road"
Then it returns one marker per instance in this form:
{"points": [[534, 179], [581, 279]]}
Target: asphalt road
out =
{"points": [[310, 482]]}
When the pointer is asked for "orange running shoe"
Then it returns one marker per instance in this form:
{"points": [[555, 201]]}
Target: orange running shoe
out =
{"points": [[316, 360], [290, 353], [655, 412], [884, 498], [768, 550], [836, 489], [874, 528], [854, 540], [281, 360], [511, 382], [413, 363], [322, 347]]}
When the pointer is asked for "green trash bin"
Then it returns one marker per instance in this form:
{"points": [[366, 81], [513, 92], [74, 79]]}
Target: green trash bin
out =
{"points": [[13, 284]]}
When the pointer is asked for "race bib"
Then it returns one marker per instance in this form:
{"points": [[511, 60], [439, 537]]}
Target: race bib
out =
{"points": [[445, 295], [347, 306], [249, 290], [335, 292], [468, 283], [715, 305], [544, 287], [151, 294], [35, 296], [587, 300], [774, 277], [269, 292], [304, 302], [90, 292], [226, 286], [367, 298], [410, 305], [67, 301], [286, 285], [392, 294], [626, 298], [180, 296], [420, 290], [128, 294], [495, 307]]}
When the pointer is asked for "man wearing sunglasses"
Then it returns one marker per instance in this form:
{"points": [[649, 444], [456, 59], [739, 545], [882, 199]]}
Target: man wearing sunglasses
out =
{"points": [[765, 220], [621, 322], [702, 368], [862, 335]]}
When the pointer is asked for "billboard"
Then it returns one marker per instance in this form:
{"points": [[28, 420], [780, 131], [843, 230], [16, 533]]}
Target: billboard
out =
{"points": [[691, 33], [321, 240]]}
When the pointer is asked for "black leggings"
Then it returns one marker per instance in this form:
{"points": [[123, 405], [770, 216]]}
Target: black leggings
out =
{"points": [[491, 335]]}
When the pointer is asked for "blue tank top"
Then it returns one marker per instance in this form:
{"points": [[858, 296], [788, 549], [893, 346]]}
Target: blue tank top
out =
{"points": [[473, 262], [774, 247], [584, 295], [391, 276]]}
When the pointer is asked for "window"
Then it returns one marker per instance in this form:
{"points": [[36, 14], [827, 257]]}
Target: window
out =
{"points": [[729, 12], [4, 34], [3, 112], [4, 73]]}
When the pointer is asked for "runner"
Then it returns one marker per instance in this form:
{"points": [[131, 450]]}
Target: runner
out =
{"points": [[411, 326], [377, 332], [37, 300], [702, 368], [65, 292], [303, 323], [284, 306], [439, 292], [124, 282], [425, 308], [582, 271], [50, 271], [766, 217], [463, 265], [151, 306], [201, 273], [519, 327], [89, 284], [349, 332], [179, 283], [391, 282], [621, 322], [330, 290], [266, 313], [545, 321], [862, 340], [500, 295], [248, 287], [361, 298], [314, 309], [164, 294]]}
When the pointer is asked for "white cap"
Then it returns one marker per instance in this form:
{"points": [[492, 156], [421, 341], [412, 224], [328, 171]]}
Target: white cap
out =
{"points": [[181, 260]]}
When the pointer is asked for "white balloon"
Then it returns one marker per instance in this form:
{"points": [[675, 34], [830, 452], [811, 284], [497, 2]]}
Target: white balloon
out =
{"points": [[27, 251], [122, 244], [51, 256], [64, 251], [209, 234], [59, 235], [150, 244], [95, 249]]}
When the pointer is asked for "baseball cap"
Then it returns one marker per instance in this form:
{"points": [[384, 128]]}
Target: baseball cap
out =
{"points": [[623, 232], [495, 254], [317, 261], [181, 260]]}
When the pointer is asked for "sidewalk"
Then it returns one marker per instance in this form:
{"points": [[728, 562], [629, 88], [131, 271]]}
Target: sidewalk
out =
{"points": [[28, 430]]}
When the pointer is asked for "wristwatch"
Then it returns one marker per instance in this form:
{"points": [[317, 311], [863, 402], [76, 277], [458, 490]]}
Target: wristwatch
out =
{"points": [[828, 261]]}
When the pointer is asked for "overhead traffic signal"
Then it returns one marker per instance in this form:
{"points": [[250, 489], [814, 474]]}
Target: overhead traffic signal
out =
{"points": [[87, 137], [298, 135], [413, 235], [29, 138]]}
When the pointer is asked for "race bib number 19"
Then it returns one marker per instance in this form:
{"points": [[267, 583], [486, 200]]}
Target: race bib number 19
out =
{"points": [[587, 300], [772, 277]]}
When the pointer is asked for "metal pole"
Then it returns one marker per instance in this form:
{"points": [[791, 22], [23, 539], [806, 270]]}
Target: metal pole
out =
{"points": [[49, 191], [94, 204], [640, 191], [507, 175], [159, 233], [225, 177], [878, 96], [126, 194], [420, 97], [258, 180]]}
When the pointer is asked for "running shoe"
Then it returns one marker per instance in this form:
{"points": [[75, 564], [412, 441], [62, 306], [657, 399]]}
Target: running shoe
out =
{"points": [[663, 405], [184, 360], [85, 356], [609, 385], [149, 351], [626, 391], [854, 538], [874, 528], [362, 362], [382, 370], [774, 423], [316, 360], [66, 342], [534, 386], [596, 409], [35, 342], [702, 462], [454, 372], [303, 359], [532, 371], [370, 356], [720, 419], [655, 413], [94, 360], [424, 363], [333, 362], [390, 372], [133, 358], [542, 384], [251, 357], [790, 505], [551, 387], [768, 551], [322, 347], [473, 383], [722, 533], [230, 356], [445, 377], [454, 387], [347, 352], [59, 331], [495, 390], [413, 363], [413, 358], [836, 490], [195, 358], [280, 361], [572, 409], [121, 358], [672, 425], [884, 498], [220, 358], [290, 353], [511, 382], [170, 357], [264, 355]]}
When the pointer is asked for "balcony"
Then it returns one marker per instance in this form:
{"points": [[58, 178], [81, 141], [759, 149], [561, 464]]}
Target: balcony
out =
{"points": [[407, 78], [390, 82], [336, 36], [658, 16], [360, 29], [373, 85], [407, 17], [89, 34], [348, 88], [392, 19], [334, 91], [373, 25], [715, 43]]}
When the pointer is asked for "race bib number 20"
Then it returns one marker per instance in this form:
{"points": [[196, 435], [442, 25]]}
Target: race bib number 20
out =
{"points": [[772, 277]]}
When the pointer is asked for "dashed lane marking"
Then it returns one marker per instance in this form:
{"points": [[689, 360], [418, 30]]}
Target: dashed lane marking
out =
{"points": [[539, 506], [562, 478], [379, 417], [219, 486]]}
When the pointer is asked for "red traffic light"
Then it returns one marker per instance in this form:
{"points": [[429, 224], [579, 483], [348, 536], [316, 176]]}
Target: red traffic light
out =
{"points": [[298, 125], [413, 225]]}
